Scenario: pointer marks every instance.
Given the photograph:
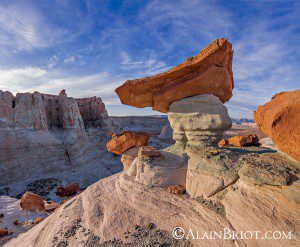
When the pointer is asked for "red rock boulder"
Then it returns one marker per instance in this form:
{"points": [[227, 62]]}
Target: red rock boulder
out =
{"points": [[279, 119], [68, 190], [119, 143], [245, 140], [31, 201], [209, 72], [176, 189], [3, 233]]}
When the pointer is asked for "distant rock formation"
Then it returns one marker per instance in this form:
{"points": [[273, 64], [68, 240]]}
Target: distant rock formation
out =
{"points": [[279, 119], [38, 111], [93, 111], [46, 135], [209, 72]]}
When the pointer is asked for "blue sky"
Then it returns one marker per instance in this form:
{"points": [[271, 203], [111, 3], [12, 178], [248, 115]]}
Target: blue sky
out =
{"points": [[91, 47]]}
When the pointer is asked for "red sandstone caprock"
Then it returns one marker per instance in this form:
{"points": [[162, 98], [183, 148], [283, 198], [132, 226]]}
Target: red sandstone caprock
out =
{"points": [[209, 72], [118, 144], [279, 119]]}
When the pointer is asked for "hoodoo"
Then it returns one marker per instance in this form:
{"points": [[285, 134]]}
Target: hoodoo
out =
{"points": [[209, 72]]}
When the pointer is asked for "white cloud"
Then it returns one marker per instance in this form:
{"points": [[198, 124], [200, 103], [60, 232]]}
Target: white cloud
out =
{"points": [[69, 59], [30, 79], [53, 61]]}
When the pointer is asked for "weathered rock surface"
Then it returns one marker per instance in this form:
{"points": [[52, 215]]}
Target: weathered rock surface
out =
{"points": [[279, 119], [148, 151], [44, 135], [93, 112], [106, 211], [198, 121], [31, 201], [119, 143], [209, 72], [128, 156], [164, 170]]}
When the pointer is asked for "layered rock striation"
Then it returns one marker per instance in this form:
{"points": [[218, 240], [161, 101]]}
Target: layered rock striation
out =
{"points": [[44, 135], [209, 72], [38, 111], [198, 120]]}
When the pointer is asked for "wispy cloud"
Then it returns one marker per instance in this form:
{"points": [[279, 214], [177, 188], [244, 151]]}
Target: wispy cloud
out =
{"points": [[53, 61], [69, 59]]}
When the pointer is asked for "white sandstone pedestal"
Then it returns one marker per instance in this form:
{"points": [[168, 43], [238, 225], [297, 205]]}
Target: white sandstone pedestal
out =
{"points": [[198, 121]]}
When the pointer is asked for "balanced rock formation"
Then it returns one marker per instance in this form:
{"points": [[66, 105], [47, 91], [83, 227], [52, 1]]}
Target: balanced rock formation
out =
{"points": [[279, 119], [209, 72], [199, 120], [31, 201], [119, 143]]}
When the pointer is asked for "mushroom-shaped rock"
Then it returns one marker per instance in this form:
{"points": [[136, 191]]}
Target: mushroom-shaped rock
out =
{"points": [[209, 72], [31, 201], [119, 143], [279, 119]]}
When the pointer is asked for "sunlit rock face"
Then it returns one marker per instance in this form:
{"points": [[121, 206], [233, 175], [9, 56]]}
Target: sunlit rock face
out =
{"points": [[38, 111], [209, 72], [279, 119], [198, 121], [93, 112]]}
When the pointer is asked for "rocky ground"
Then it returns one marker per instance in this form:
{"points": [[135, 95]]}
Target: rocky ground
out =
{"points": [[120, 209]]}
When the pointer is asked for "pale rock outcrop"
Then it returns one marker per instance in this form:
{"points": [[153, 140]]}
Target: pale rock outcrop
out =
{"points": [[106, 211], [44, 135], [128, 157], [161, 171], [210, 170], [209, 72], [166, 132], [279, 119], [93, 112], [38, 111], [148, 152], [198, 121]]}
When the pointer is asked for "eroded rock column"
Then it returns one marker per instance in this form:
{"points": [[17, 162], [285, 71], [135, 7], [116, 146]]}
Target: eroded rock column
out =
{"points": [[198, 121]]}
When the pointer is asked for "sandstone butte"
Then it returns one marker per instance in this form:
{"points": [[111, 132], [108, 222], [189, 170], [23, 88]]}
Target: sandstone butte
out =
{"points": [[209, 72], [279, 119], [119, 143]]}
